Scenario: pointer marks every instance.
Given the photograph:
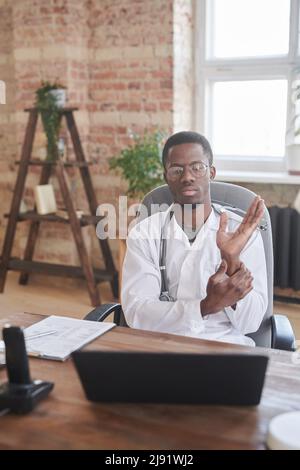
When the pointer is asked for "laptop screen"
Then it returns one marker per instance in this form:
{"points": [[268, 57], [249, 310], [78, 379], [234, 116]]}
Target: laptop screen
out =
{"points": [[143, 377]]}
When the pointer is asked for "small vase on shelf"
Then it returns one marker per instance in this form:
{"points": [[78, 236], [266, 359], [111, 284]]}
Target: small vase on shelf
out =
{"points": [[293, 159]]}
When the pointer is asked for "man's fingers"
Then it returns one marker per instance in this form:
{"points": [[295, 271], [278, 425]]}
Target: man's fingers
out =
{"points": [[256, 216], [223, 222], [249, 289], [251, 210], [254, 213], [241, 278], [259, 212], [240, 273], [219, 274], [245, 283], [248, 227]]}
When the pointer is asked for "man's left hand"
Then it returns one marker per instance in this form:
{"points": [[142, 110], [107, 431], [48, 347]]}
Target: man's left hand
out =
{"points": [[231, 244]]}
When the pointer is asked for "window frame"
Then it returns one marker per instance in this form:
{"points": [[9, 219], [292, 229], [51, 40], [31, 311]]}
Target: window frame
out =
{"points": [[209, 71]]}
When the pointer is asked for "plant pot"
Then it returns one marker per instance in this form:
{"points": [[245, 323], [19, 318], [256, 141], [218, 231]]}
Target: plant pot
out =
{"points": [[60, 97], [293, 159]]}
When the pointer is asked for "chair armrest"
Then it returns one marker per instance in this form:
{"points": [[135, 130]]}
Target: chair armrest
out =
{"points": [[101, 312], [282, 333]]}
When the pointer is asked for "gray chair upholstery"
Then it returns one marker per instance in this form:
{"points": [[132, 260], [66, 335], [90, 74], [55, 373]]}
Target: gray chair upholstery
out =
{"points": [[275, 330]]}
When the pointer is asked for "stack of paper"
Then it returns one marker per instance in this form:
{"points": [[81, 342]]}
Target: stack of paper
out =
{"points": [[57, 337]]}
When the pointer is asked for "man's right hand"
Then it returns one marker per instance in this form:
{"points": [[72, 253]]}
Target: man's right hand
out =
{"points": [[223, 291]]}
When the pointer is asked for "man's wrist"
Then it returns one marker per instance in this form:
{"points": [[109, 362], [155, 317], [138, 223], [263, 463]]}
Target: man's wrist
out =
{"points": [[233, 265]]}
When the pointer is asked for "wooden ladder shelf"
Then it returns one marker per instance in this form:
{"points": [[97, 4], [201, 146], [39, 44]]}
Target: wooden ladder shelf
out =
{"points": [[27, 265]]}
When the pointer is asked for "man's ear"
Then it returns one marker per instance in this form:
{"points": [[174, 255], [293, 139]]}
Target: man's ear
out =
{"points": [[212, 171], [165, 176]]}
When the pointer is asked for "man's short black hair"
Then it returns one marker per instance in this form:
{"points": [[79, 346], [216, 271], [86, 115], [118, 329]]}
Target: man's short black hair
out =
{"points": [[187, 137]]}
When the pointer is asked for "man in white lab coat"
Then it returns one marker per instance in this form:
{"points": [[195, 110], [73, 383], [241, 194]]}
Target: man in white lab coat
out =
{"points": [[215, 267]]}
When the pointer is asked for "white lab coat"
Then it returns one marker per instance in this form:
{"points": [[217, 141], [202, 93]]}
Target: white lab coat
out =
{"points": [[188, 269]]}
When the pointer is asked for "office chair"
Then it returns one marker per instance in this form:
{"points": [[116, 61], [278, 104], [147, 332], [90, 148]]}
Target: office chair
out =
{"points": [[275, 331]]}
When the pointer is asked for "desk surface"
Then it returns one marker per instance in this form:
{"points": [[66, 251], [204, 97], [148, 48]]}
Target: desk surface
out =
{"points": [[66, 420]]}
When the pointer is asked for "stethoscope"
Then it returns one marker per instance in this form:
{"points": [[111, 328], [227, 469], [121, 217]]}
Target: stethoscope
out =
{"points": [[164, 288]]}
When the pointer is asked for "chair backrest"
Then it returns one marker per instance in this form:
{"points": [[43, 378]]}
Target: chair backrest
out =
{"points": [[236, 196]]}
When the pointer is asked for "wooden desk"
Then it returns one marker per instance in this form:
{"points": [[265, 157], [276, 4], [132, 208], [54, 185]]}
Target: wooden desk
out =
{"points": [[66, 420]]}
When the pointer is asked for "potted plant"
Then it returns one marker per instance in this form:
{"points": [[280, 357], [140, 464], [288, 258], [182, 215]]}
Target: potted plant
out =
{"points": [[140, 163], [50, 98], [293, 144]]}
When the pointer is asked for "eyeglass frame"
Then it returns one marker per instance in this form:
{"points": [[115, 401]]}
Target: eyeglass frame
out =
{"points": [[192, 171]]}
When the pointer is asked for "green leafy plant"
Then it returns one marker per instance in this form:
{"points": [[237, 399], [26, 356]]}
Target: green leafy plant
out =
{"points": [[50, 114], [140, 163]]}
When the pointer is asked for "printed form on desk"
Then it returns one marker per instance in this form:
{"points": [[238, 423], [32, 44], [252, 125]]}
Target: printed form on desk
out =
{"points": [[57, 337]]}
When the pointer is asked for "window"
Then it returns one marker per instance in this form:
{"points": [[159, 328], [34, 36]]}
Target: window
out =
{"points": [[246, 56]]}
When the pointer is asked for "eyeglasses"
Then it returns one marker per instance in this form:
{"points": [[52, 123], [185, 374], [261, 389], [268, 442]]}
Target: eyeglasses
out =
{"points": [[198, 169]]}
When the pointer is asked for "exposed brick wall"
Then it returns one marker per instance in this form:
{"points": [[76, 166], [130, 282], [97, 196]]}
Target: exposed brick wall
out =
{"points": [[48, 42], [130, 84], [8, 146], [127, 65], [274, 194], [116, 59], [130, 80]]}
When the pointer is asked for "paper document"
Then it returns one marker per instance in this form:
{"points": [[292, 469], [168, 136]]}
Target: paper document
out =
{"points": [[2, 359], [57, 337]]}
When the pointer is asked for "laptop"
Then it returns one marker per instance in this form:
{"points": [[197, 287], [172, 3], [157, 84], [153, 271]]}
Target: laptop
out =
{"points": [[150, 377]]}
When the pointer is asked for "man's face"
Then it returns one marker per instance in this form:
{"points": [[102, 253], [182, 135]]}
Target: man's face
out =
{"points": [[188, 174]]}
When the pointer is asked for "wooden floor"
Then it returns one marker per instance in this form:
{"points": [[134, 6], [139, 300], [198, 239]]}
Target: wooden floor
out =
{"points": [[292, 311], [55, 296], [49, 296]]}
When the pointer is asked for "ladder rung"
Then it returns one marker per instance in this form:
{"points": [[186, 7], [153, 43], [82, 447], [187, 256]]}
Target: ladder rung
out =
{"points": [[16, 264]]}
